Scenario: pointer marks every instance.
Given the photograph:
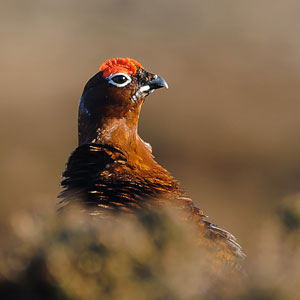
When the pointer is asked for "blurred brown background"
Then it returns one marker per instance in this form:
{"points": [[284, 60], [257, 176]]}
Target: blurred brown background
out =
{"points": [[227, 128]]}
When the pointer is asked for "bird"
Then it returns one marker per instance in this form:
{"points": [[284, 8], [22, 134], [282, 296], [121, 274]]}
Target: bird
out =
{"points": [[114, 171]]}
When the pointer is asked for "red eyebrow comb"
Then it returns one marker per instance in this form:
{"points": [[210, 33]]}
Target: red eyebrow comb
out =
{"points": [[119, 65]]}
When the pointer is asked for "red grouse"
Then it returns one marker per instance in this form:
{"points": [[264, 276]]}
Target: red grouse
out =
{"points": [[113, 169]]}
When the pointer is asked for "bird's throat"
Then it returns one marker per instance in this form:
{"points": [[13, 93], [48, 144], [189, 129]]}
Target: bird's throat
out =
{"points": [[108, 127], [118, 134]]}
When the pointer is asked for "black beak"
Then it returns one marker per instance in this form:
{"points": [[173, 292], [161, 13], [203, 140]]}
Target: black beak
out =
{"points": [[157, 83]]}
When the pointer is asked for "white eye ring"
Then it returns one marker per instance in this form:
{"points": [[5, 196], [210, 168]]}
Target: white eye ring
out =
{"points": [[111, 81]]}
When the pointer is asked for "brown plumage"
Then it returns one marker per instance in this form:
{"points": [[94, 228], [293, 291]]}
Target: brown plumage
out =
{"points": [[113, 169]]}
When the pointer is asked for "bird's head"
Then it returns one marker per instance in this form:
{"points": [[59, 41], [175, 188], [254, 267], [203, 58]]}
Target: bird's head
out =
{"points": [[112, 99]]}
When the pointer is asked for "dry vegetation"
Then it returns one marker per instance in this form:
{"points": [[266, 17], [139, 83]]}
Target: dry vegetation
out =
{"points": [[151, 257]]}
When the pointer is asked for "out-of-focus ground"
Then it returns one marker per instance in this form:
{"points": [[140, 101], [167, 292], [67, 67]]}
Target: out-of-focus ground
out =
{"points": [[227, 128]]}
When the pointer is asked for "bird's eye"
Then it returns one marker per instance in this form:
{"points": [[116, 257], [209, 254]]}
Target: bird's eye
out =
{"points": [[119, 79]]}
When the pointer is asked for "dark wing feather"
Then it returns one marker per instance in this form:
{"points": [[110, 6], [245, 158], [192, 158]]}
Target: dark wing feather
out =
{"points": [[82, 170], [218, 240], [91, 178]]}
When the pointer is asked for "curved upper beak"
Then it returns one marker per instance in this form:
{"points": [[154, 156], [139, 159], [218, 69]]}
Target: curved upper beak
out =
{"points": [[157, 83]]}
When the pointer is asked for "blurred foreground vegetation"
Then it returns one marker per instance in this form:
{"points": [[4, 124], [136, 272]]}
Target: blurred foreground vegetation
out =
{"points": [[72, 256]]}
